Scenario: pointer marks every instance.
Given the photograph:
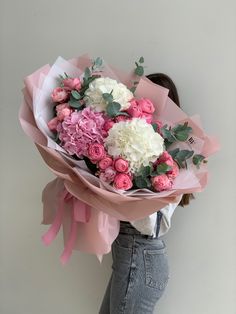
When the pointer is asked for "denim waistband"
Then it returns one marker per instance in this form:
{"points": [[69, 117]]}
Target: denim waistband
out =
{"points": [[127, 228]]}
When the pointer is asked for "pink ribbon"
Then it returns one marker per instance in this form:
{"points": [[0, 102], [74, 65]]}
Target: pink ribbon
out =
{"points": [[80, 213]]}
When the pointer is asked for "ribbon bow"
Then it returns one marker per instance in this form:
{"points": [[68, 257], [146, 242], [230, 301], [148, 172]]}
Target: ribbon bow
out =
{"points": [[80, 213]]}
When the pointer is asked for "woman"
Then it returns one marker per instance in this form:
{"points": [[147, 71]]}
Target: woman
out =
{"points": [[140, 266]]}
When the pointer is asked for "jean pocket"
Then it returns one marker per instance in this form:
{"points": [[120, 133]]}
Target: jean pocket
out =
{"points": [[156, 268]]}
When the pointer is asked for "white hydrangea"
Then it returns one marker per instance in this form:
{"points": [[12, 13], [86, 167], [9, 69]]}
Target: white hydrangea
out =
{"points": [[120, 93], [136, 141]]}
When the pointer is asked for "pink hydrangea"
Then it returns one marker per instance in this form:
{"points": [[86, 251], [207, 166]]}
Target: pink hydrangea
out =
{"points": [[81, 129]]}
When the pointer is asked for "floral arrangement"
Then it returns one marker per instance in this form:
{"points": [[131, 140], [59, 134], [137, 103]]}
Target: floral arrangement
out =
{"points": [[119, 147], [99, 120]]}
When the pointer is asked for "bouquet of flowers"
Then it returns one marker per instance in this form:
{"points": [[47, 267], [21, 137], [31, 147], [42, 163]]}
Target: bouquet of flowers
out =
{"points": [[121, 149]]}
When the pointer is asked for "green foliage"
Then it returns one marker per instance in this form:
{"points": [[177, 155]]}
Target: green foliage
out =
{"points": [[163, 168], [197, 159], [113, 109], [154, 125], [142, 182], [181, 131], [107, 97], [75, 94], [139, 70], [92, 167], [178, 133], [182, 156], [97, 63]]}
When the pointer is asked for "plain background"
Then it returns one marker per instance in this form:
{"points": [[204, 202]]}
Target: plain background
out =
{"points": [[192, 41]]}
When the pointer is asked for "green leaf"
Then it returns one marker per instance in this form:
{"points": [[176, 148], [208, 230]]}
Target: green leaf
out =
{"points": [[107, 97], [163, 168], [75, 103], [182, 136], [154, 125], [145, 171], [167, 134], [76, 94], [139, 70], [197, 159], [182, 131], [141, 60], [174, 152], [184, 154], [132, 89], [113, 109], [98, 61], [87, 73], [142, 182]]}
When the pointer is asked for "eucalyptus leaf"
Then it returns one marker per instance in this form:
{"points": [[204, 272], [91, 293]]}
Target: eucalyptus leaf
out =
{"points": [[141, 182], [75, 104], [76, 94], [145, 171], [154, 125], [174, 152], [163, 168], [107, 97], [113, 109], [132, 89], [139, 70], [197, 159], [141, 60]]}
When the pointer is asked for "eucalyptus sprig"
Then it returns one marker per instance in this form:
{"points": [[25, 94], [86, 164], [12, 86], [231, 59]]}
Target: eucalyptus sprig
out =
{"points": [[113, 107], [178, 133], [139, 71]]}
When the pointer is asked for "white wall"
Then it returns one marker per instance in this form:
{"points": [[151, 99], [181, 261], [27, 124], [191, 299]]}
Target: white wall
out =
{"points": [[193, 42]]}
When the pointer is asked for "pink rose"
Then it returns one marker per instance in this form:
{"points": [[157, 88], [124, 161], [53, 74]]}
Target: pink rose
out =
{"points": [[147, 117], [165, 158], [63, 110], [108, 175], [134, 109], [123, 181], [161, 183], [174, 172], [121, 165], [52, 124], [59, 94], [72, 83], [146, 105], [96, 152], [122, 118], [159, 126], [105, 163], [108, 125]]}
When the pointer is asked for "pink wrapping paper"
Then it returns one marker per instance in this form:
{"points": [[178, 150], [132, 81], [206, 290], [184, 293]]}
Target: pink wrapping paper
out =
{"points": [[106, 207]]}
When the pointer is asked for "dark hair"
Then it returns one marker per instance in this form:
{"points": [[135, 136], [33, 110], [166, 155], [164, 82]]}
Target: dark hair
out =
{"points": [[165, 81]]}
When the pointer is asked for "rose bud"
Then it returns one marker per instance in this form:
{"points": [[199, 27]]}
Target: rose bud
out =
{"points": [[121, 165], [134, 109], [59, 94], [72, 83], [123, 181], [146, 105], [161, 183], [96, 152], [63, 110], [108, 125], [174, 172], [108, 175], [105, 163], [52, 124]]}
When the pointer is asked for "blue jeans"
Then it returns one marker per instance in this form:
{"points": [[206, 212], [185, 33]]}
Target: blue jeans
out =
{"points": [[139, 276]]}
